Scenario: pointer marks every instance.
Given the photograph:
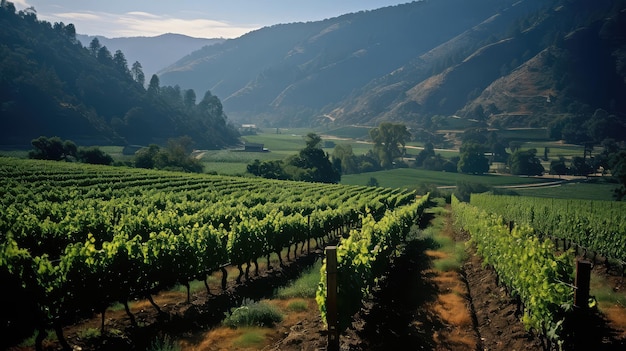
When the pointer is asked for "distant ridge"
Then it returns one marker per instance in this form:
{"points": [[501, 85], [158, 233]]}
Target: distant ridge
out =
{"points": [[154, 53]]}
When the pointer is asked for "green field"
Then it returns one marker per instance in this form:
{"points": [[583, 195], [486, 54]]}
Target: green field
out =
{"points": [[581, 190], [284, 142], [411, 178]]}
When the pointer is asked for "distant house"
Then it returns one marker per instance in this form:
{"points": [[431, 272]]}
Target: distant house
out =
{"points": [[254, 147]]}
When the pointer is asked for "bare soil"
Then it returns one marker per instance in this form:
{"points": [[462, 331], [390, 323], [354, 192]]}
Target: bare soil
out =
{"points": [[415, 307]]}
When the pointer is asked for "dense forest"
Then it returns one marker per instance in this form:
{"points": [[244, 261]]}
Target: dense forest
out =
{"points": [[51, 85]]}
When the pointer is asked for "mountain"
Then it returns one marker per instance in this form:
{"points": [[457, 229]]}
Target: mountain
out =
{"points": [[50, 85], [501, 63], [553, 62], [154, 53]]}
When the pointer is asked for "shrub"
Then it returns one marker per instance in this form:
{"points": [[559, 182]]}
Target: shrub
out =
{"points": [[251, 313]]}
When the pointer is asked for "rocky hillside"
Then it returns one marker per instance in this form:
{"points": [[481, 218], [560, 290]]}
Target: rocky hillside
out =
{"points": [[502, 63]]}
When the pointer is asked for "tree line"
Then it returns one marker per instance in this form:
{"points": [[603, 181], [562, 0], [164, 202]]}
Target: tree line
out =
{"points": [[175, 156]]}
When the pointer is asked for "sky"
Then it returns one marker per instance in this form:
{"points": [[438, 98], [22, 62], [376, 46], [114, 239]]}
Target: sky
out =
{"points": [[195, 18]]}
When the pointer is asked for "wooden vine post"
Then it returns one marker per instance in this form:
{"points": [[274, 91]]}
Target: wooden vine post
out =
{"points": [[331, 299], [582, 280]]}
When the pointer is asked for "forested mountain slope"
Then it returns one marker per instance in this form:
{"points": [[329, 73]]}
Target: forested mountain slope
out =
{"points": [[50, 85]]}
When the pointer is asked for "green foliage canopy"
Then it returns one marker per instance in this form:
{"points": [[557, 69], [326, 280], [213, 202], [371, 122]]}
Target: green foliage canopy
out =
{"points": [[472, 159], [54, 149], [525, 162], [389, 141], [310, 164]]}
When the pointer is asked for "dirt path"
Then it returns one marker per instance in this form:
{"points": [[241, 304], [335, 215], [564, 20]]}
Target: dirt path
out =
{"points": [[435, 309]]}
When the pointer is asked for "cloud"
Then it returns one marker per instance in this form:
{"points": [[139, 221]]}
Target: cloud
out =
{"points": [[78, 16], [132, 23], [138, 23], [20, 4], [142, 14]]}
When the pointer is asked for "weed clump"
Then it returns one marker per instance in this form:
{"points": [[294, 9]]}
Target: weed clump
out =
{"points": [[253, 314]]}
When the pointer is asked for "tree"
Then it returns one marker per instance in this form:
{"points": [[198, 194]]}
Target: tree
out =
{"points": [[144, 157], [497, 148], [94, 46], [617, 162], [178, 152], [580, 166], [120, 62], [7, 6], [154, 86], [272, 169], [424, 154], [344, 153], [388, 139], [558, 167], [525, 162], [94, 155], [68, 31], [189, 99], [137, 73], [53, 148], [312, 164], [602, 125], [474, 135], [472, 159], [104, 56], [211, 104], [176, 156]]}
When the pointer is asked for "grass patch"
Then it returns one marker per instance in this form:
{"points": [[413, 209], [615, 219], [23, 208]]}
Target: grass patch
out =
{"points": [[412, 178], [584, 191], [251, 338], [604, 293], [226, 168], [194, 286], [253, 314], [305, 286], [452, 254], [89, 333], [297, 305], [165, 343], [352, 132], [454, 260]]}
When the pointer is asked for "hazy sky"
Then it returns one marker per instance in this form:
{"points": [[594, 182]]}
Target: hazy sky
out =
{"points": [[196, 18]]}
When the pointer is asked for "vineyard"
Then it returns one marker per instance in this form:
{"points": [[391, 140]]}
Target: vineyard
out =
{"points": [[595, 227], [517, 237], [78, 238]]}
